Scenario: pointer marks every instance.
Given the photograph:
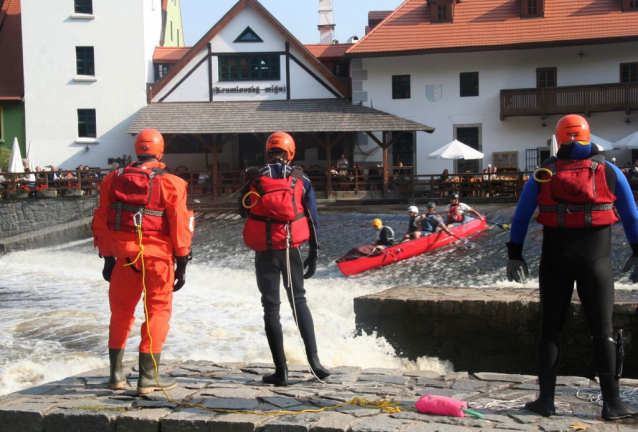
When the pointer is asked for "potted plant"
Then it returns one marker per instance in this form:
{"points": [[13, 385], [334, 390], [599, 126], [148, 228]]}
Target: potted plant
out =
{"points": [[73, 189], [18, 192], [44, 191]]}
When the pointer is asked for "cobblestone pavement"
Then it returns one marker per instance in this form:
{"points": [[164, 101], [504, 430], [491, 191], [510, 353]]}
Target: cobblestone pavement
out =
{"points": [[84, 402]]}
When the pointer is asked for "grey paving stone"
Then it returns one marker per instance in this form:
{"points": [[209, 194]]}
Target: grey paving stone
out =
{"points": [[460, 421], [347, 370], [194, 383], [247, 378], [231, 403], [178, 394], [281, 402], [298, 368], [141, 421], [38, 390], [436, 427], [491, 376], [379, 424], [258, 371], [429, 382], [381, 371], [335, 422], [380, 390], [296, 423], [63, 420], [230, 365], [387, 379], [301, 392], [556, 425], [359, 411], [230, 392], [24, 417], [344, 396], [480, 386], [515, 426], [153, 404], [585, 410], [188, 420], [572, 381], [452, 376], [321, 402], [524, 416], [261, 365], [340, 379], [527, 386], [412, 416], [423, 374], [201, 368], [237, 422], [97, 381]]}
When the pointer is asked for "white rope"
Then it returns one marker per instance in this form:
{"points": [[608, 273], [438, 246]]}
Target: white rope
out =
{"points": [[514, 404], [594, 395], [294, 306]]}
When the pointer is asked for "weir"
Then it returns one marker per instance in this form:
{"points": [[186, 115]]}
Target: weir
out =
{"points": [[487, 329]]}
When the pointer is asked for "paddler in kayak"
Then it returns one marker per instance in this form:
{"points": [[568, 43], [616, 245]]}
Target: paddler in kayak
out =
{"points": [[385, 235], [456, 211], [414, 225], [432, 222]]}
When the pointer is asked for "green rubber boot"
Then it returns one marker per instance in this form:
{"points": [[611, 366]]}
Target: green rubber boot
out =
{"points": [[147, 383], [117, 379]]}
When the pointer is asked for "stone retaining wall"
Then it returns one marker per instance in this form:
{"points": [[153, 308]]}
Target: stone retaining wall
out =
{"points": [[491, 330], [24, 216]]}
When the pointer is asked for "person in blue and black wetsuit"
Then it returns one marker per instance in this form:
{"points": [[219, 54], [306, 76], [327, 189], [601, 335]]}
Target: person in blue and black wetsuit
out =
{"points": [[281, 257], [576, 193]]}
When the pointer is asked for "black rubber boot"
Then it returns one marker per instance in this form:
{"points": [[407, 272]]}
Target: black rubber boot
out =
{"points": [[613, 407], [543, 406], [117, 379], [147, 383], [315, 364], [279, 378]]}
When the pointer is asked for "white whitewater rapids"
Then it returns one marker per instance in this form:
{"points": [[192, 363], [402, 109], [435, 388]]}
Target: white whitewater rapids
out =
{"points": [[55, 312]]}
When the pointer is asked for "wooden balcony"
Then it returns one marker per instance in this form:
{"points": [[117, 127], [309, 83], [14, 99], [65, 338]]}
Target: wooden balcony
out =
{"points": [[567, 100]]}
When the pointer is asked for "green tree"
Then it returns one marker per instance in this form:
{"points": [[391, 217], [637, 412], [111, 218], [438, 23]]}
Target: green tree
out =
{"points": [[5, 154]]}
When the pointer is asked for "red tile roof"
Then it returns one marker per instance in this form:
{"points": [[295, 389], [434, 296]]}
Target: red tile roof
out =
{"points": [[11, 72], [378, 15], [328, 51], [493, 24], [169, 54]]}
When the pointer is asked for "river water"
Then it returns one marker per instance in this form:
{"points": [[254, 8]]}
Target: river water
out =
{"points": [[54, 304]]}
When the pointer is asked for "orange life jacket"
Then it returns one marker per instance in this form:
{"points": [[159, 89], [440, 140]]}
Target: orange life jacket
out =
{"points": [[577, 194], [276, 219], [136, 190]]}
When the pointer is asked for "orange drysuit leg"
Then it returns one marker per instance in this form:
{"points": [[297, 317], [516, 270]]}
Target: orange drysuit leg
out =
{"points": [[125, 292]]}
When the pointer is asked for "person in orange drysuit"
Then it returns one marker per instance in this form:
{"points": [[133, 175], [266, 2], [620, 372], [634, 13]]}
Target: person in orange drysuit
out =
{"points": [[142, 193]]}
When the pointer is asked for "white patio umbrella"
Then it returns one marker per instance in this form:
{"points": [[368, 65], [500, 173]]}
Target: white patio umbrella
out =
{"points": [[456, 150], [628, 142], [553, 150], [15, 161], [30, 162], [601, 143]]}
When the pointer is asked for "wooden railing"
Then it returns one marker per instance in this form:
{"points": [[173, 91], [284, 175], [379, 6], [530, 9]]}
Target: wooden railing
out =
{"points": [[572, 99], [62, 181]]}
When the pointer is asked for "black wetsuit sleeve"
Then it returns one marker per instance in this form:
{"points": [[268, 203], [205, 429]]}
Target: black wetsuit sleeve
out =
{"points": [[386, 238]]}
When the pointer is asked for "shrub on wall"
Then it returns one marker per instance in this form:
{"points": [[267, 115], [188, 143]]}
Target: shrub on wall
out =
{"points": [[5, 154]]}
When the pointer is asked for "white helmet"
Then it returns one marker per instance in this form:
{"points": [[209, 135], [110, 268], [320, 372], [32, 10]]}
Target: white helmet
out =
{"points": [[413, 209]]}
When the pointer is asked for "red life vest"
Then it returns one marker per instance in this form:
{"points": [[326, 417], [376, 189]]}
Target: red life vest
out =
{"points": [[276, 219], [453, 215], [137, 190], [576, 195]]}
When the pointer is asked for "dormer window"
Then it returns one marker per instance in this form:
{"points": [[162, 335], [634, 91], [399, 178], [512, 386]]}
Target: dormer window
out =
{"points": [[629, 5], [533, 8], [442, 11]]}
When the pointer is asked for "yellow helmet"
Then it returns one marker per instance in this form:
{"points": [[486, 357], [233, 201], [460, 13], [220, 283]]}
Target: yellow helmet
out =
{"points": [[377, 223]]}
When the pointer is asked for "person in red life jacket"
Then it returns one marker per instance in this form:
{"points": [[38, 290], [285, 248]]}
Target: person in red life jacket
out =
{"points": [[142, 193], [456, 211], [280, 209], [576, 193]]}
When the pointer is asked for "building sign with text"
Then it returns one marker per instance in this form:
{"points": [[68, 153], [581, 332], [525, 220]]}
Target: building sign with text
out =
{"points": [[249, 90]]}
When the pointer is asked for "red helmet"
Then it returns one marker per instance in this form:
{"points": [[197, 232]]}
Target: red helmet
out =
{"points": [[283, 141], [149, 142], [571, 128]]}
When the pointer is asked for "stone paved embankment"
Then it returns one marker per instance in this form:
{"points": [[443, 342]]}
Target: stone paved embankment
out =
{"points": [[84, 402]]}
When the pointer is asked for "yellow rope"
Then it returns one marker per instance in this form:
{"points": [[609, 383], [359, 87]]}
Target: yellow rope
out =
{"points": [[243, 201], [384, 405], [541, 170]]}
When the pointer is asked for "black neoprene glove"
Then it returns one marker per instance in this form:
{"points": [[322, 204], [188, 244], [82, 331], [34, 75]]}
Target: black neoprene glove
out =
{"points": [[632, 262], [311, 264], [516, 265], [180, 272], [109, 265]]}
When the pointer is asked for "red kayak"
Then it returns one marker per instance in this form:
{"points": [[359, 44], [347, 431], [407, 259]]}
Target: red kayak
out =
{"points": [[409, 249]]}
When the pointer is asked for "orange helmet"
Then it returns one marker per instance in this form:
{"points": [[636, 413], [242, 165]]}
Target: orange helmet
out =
{"points": [[283, 141], [149, 142], [572, 128]]}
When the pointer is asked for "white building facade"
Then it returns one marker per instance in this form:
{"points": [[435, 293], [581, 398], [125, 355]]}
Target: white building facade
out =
{"points": [[86, 65], [426, 85]]}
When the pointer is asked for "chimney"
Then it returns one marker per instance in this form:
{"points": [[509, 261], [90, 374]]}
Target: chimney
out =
{"points": [[326, 22]]}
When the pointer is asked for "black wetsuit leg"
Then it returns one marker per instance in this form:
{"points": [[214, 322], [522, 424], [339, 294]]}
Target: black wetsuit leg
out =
{"points": [[270, 266], [581, 256]]}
